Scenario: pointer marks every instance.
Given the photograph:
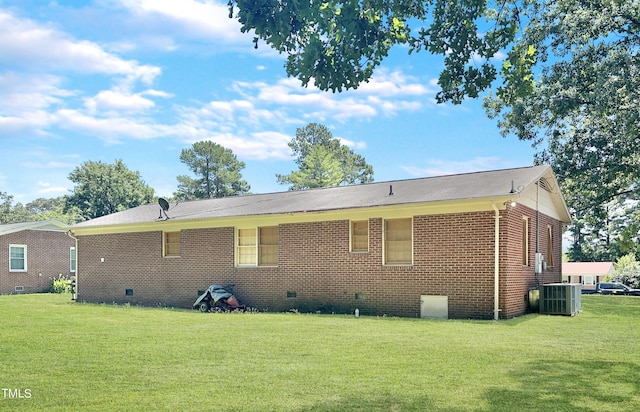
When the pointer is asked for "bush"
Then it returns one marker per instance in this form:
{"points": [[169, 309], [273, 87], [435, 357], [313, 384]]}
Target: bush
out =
{"points": [[627, 271], [61, 284]]}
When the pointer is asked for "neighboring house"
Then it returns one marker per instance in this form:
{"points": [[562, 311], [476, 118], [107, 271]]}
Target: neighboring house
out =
{"points": [[430, 247], [586, 273], [32, 253]]}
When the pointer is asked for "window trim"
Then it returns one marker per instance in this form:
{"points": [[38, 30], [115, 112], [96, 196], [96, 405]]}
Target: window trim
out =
{"points": [[525, 242], [262, 246], [549, 257], [253, 246], [24, 258], [352, 236], [256, 246], [384, 243], [165, 242], [73, 260]]}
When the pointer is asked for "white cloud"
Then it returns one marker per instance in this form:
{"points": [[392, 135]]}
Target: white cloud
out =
{"points": [[385, 83], [252, 125], [53, 190], [354, 145], [195, 19], [29, 45], [386, 94], [257, 145], [112, 129], [49, 189], [111, 100], [21, 92]]}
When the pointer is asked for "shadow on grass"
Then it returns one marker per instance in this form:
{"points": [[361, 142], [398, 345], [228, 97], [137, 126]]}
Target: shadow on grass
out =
{"points": [[570, 386], [378, 402], [541, 386]]}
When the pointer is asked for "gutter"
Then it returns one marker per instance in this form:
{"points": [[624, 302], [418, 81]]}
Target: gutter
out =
{"points": [[496, 263]]}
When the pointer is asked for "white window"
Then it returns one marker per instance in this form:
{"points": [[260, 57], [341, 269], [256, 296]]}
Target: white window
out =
{"points": [[72, 260], [17, 258], [588, 280]]}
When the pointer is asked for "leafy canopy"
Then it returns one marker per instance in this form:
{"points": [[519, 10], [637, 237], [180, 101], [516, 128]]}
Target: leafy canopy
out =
{"points": [[36, 210], [584, 105], [323, 161], [627, 271], [101, 189], [339, 43], [217, 172], [13, 213]]}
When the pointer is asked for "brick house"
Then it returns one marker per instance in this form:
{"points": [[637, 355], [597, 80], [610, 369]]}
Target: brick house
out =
{"points": [[430, 247], [32, 253]]}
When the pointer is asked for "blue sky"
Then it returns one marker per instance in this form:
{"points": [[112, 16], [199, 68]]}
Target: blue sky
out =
{"points": [[140, 80]]}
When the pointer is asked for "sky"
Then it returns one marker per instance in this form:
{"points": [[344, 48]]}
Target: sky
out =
{"points": [[141, 80]]}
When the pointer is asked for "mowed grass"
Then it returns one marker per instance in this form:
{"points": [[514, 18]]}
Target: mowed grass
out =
{"points": [[76, 356]]}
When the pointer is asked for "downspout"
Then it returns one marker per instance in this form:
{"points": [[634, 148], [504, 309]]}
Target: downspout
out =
{"points": [[537, 273], [496, 263], [74, 295]]}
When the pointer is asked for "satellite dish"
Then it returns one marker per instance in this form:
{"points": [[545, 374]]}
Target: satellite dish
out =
{"points": [[164, 206]]}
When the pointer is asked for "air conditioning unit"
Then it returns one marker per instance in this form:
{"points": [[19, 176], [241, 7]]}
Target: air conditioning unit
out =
{"points": [[561, 299]]}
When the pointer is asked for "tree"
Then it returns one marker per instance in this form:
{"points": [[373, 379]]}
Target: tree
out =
{"points": [[319, 169], [605, 234], [339, 43], [584, 103], [627, 271], [13, 213], [102, 189], [217, 173], [323, 161], [54, 208]]}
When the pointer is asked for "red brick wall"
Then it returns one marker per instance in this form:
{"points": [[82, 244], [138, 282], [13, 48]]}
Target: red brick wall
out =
{"points": [[453, 256], [519, 278], [47, 257]]}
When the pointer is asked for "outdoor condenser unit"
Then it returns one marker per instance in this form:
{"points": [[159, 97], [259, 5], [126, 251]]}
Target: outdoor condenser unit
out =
{"points": [[561, 299]]}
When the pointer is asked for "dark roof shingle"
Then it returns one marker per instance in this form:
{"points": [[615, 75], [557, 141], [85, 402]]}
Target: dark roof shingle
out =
{"points": [[476, 185]]}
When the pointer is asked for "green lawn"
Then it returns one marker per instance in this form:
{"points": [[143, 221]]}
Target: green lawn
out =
{"points": [[74, 356]]}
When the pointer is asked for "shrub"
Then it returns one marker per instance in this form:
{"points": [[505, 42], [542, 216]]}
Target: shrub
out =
{"points": [[627, 271], [61, 284]]}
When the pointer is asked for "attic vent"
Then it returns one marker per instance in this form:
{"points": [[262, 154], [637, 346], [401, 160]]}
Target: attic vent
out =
{"points": [[546, 185]]}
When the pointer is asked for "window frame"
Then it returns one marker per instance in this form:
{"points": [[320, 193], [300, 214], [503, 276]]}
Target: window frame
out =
{"points": [[73, 260], [353, 236], [525, 258], [24, 258], [386, 241], [165, 243], [264, 248], [248, 247], [549, 257], [258, 247]]}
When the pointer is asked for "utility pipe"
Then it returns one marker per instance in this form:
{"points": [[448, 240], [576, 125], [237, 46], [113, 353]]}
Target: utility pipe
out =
{"points": [[496, 263]]}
